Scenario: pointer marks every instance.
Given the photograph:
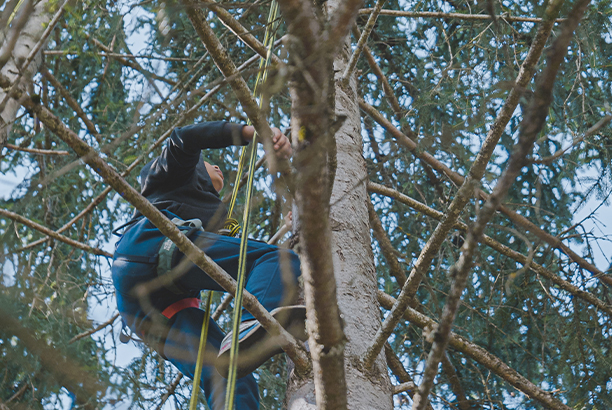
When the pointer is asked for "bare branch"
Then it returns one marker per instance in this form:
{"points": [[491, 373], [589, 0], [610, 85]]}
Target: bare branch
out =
{"points": [[387, 89], [455, 383], [31, 224], [71, 103], [170, 391], [80, 336], [239, 86], [531, 125], [406, 382], [240, 31], [119, 55], [503, 249], [37, 151], [388, 251], [149, 76], [480, 355], [458, 16], [363, 38], [599, 125]]}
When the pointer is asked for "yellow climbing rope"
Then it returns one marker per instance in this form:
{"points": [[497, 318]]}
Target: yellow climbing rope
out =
{"points": [[232, 227], [231, 379], [193, 403]]}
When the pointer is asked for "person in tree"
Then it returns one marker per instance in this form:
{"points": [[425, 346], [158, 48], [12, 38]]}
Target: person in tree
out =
{"points": [[157, 288]]}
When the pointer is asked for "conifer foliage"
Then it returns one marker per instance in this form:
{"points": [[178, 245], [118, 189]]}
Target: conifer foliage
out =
{"points": [[447, 91]]}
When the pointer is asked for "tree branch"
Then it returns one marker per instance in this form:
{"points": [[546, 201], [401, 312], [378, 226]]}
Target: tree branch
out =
{"points": [[458, 16], [455, 383], [363, 38], [239, 86], [530, 127], [135, 65], [387, 89], [63, 53], [468, 185], [240, 31], [388, 251], [31, 224], [170, 391], [407, 384], [94, 330], [599, 125], [37, 151], [480, 355], [492, 243], [72, 103]]}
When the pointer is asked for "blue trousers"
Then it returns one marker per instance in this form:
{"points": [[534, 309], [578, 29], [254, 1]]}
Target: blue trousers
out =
{"points": [[272, 275], [272, 278]]}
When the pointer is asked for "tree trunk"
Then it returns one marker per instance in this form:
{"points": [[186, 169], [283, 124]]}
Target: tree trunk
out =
{"points": [[28, 37], [353, 264]]}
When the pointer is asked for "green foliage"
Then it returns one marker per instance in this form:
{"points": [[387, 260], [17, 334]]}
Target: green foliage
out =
{"points": [[451, 77]]}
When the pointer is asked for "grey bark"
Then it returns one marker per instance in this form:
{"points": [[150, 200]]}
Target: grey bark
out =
{"points": [[28, 37], [353, 264]]}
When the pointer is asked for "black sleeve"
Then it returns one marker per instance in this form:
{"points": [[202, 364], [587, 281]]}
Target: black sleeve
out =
{"points": [[182, 152]]}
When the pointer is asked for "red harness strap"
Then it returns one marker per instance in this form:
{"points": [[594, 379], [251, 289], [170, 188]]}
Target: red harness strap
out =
{"points": [[182, 304]]}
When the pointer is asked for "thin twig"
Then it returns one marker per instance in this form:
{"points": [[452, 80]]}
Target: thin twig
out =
{"points": [[530, 127], [239, 30], [387, 89], [350, 67], [458, 16], [94, 330], [72, 103], [599, 125], [119, 55], [492, 243], [407, 384], [31, 224], [36, 150], [135, 65], [480, 355], [170, 391]]}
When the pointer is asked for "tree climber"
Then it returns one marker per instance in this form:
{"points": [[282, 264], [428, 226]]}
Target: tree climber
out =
{"points": [[157, 287]]}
